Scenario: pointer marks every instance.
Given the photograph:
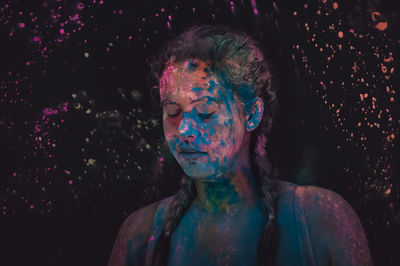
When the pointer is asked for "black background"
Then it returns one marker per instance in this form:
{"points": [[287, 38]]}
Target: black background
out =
{"points": [[81, 139]]}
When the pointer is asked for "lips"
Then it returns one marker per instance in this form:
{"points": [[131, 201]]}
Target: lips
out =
{"points": [[192, 154]]}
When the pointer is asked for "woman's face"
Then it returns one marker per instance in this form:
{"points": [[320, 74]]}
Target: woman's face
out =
{"points": [[203, 122]]}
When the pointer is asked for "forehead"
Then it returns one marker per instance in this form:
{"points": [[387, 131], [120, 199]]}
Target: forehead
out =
{"points": [[189, 79]]}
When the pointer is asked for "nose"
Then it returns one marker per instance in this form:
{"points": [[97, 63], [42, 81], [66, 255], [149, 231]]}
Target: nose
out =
{"points": [[188, 128]]}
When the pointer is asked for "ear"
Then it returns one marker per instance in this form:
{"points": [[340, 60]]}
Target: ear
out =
{"points": [[255, 114]]}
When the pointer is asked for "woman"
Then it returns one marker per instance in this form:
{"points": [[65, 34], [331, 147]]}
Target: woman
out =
{"points": [[218, 105]]}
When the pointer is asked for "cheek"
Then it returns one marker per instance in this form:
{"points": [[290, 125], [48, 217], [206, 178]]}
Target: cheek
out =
{"points": [[228, 134], [221, 137], [170, 127], [170, 133], [226, 129]]}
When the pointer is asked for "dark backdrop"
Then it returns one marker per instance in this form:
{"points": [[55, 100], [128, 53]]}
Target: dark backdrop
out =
{"points": [[81, 139]]}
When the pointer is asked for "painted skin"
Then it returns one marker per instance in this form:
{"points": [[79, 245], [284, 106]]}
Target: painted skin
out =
{"points": [[197, 115], [208, 132], [206, 121]]}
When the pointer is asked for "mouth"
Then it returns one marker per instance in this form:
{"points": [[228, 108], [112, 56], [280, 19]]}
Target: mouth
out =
{"points": [[189, 155]]}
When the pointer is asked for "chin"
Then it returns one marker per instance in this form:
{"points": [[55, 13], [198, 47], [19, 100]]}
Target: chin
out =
{"points": [[198, 175], [198, 172]]}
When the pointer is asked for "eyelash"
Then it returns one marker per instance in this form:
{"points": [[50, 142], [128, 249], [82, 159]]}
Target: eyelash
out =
{"points": [[206, 116], [174, 115], [201, 115]]}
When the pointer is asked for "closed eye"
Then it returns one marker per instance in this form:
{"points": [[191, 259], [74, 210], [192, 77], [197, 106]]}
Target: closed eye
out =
{"points": [[174, 115], [172, 109], [205, 115]]}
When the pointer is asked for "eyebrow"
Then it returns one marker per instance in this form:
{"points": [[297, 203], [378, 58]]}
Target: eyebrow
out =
{"points": [[210, 98], [164, 102]]}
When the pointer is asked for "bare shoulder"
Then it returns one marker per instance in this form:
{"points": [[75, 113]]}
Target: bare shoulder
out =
{"points": [[335, 229], [140, 221], [132, 236]]}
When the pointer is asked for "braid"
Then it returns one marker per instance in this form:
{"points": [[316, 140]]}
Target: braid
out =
{"points": [[178, 207], [268, 241]]}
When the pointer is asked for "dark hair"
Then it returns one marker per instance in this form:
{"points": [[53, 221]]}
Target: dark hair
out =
{"points": [[237, 61]]}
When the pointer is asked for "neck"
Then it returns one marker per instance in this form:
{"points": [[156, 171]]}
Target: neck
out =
{"points": [[235, 191]]}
